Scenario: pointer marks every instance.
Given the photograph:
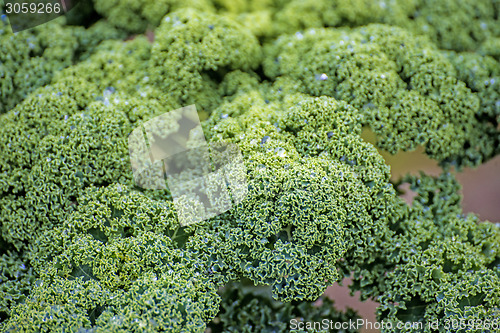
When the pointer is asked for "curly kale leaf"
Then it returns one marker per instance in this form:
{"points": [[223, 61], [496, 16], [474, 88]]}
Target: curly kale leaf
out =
{"points": [[194, 50], [137, 16], [117, 264], [439, 264], [29, 59], [317, 194], [409, 93]]}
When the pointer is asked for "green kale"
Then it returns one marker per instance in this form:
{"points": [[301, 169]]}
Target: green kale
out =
{"points": [[317, 194], [84, 249], [439, 264], [193, 51], [69, 135], [29, 59], [16, 281], [461, 25], [116, 264], [408, 92], [137, 16]]}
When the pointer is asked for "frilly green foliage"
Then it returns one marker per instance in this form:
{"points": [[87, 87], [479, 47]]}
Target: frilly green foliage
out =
{"points": [[447, 23], [332, 13], [114, 67], [491, 47], [58, 305], [115, 264], [16, 280], [114, 226], [482, 76], [192, 52], [439, 264], [70, 135], [72, 152], [177, 301], [171, 302], [84, 250], [408, 92], [317, 193], [136, 16], [29, 59]]}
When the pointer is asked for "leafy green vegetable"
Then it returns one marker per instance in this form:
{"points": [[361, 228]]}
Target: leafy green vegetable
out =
{"points": [[292, 84]]}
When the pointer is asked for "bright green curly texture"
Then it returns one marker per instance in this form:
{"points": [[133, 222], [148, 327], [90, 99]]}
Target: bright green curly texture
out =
{"points": [[83, 249], [114, 265], [29, 59], [439, 264], [461, 25], [136, 16], [408, 91], [317, 193], [193, 51], [67, 136]]}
